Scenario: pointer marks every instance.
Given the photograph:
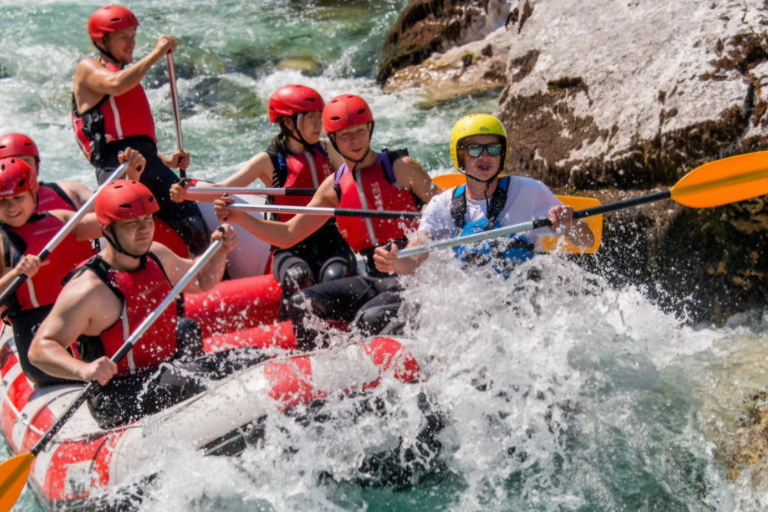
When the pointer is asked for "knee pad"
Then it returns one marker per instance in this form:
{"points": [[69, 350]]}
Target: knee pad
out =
{"points": [[335, 268], [297, 276]]}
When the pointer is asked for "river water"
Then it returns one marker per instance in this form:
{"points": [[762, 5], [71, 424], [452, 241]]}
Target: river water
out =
{"points": [[555, 390]]}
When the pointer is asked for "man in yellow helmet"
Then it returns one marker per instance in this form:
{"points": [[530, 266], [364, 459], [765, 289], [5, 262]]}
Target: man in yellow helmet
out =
{"points": [[487, 201]]}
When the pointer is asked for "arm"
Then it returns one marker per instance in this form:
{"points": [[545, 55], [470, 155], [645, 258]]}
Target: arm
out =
{"points": [[411, 176], [87, 229], [76, 191], [91, 74], [210, 275], [282, 234], [71, 317], [258, 167]]}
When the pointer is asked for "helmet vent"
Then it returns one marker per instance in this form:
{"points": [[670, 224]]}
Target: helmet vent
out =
{"points": [[126, 205], [115, 19], [22, 182], [335, 118], [151, 199]]}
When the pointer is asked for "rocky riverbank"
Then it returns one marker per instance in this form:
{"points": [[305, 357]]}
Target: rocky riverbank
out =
{"points": [[614, 99]]}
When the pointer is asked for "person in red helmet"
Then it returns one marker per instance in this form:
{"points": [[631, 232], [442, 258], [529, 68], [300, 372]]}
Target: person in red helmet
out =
{"points": [[108, 296], [296, 158], [59, 195], [25, 231], [110, 112], [389, 180]]}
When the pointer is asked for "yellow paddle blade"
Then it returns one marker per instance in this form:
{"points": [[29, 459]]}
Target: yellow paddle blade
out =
{"points": [[724, 181], [595, 223], [550, 243], [13, 477]]}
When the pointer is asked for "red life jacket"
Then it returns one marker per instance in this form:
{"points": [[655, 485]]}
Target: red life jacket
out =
{"points": [[378, 193], [52, 197], [306, 170], [139, 292], [113, 118], [43, 288]]}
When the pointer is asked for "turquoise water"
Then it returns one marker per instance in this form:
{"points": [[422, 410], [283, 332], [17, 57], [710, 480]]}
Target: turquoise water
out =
{"points": [[558, 393]]}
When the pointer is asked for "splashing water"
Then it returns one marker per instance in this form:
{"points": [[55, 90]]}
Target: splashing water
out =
{"points": [[546, 391]]}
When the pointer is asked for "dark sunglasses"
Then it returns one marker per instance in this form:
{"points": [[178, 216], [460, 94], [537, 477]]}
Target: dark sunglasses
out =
{"points": [[475, 150]]}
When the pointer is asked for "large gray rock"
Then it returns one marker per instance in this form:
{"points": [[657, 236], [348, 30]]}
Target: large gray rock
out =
{"points": [[616, 98], [628, 93]]}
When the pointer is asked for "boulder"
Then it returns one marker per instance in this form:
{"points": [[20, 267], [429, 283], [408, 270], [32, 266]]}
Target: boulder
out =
{"points": [[616, 98]]}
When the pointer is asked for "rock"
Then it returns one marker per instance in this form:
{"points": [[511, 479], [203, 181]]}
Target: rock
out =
{"points": [[615, 98], [428, 26], [306, 65]]}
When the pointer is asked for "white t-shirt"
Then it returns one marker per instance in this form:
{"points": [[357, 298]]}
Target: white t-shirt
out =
{"points": [[527, 199]]}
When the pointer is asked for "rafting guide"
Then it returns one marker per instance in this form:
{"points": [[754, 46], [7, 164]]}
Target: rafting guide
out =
{"points": [[110, 112]]}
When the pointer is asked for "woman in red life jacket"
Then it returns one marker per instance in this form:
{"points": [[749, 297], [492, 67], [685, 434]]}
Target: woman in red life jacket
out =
{"points": [[58, 195], [389, 180], [110, 112], [109, 296], [25, 232], [296, 158]]}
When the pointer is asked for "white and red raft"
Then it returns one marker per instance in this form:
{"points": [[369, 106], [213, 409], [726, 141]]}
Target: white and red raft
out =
{"points": [[85, 462]]}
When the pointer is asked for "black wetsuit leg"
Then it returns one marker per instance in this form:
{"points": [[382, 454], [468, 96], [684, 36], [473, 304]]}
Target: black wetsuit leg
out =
{"points": [[128, 399], [304, 264], [347, 299], [25, 325], [185, 217]]}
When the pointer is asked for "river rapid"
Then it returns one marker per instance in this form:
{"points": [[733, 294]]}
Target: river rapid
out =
{"points": [[551, 390]]}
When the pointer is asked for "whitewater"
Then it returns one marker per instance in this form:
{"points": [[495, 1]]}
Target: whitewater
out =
{"points": [[551, 390]]}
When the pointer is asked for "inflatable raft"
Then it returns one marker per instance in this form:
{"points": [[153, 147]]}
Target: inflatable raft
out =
{"points": [[84, 463]]}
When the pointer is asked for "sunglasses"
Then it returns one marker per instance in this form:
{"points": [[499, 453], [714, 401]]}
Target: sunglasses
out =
{"points": [[475, 150]]}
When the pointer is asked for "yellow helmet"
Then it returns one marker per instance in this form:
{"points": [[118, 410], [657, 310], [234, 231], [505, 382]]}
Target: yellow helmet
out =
{"points": [[476, 124]]}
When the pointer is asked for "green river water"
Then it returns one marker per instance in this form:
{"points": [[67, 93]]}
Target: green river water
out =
{"points": [[558, 393]]}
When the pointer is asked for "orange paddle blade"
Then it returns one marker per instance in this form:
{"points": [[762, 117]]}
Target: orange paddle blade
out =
{"points": [[446, 181], [13, 477], [550, 243], [724, 181], [595, 223]]}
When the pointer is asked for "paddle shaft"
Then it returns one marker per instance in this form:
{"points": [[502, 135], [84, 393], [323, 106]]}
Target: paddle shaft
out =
{"points": [[127, 346], [62, 234], [331, 212], [534, 224], [244, 191], [175, 103]]}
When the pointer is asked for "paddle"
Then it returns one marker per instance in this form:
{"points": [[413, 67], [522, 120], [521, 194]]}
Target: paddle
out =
{"points": [[175, 103], [714, 184], [330, 212], [62, 234], [14, 471], [548, 243], [245, 191]]}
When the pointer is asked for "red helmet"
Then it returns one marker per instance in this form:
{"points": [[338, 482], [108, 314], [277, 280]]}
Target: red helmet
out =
{"points": [[124, 200], [292, 99], [17, 144], [110, 19], [345, 111], [16, 177]]}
